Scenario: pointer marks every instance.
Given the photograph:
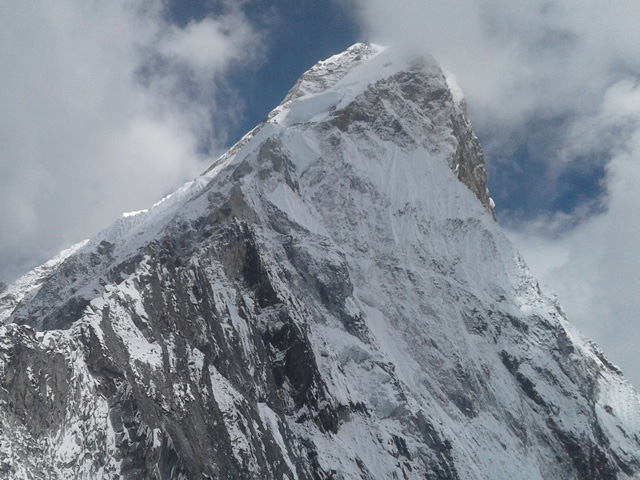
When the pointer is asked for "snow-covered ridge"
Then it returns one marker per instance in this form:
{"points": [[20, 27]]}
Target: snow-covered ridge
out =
{"points": [[124, 238], [31, 281], [327, 73]]}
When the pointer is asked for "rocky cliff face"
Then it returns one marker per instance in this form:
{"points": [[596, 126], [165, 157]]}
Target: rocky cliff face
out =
{"points": [[331, 299]]}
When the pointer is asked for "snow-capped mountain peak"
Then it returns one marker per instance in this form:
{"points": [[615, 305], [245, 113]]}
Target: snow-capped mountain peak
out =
{"points": [[332, 298]]}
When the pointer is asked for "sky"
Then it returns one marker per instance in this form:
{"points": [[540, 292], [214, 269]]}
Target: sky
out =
{"points": [[109, 106]]}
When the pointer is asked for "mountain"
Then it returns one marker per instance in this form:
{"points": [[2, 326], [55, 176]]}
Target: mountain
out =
{"points": [[331, 299]]}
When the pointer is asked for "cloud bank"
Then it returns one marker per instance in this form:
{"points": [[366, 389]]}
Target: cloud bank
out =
{"points": [[561, 79], [106, 107]]}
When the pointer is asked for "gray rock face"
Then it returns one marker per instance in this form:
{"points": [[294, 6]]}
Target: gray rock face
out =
{"points": [[332, 299]]}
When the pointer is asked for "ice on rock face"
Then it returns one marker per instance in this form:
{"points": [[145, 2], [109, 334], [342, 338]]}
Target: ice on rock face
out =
{"points": [[304, 109], [332, 298]]}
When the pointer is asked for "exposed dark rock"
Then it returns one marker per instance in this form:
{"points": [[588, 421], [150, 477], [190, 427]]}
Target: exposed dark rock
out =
{"points": [[590, 462]]}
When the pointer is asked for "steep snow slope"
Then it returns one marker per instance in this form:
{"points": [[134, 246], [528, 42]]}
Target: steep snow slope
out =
{"points": [[331, 299]]}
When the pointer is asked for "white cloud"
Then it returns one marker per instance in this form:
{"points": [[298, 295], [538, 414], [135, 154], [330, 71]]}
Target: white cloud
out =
{"points": [[211, 44], [106, 107], [521, 62], [516, 58]]}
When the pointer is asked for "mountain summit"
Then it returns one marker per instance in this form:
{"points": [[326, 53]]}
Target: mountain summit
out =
{"points": [[331, 299]]}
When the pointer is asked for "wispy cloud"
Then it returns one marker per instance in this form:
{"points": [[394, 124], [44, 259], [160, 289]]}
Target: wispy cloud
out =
{"points": [[106, 107]]}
